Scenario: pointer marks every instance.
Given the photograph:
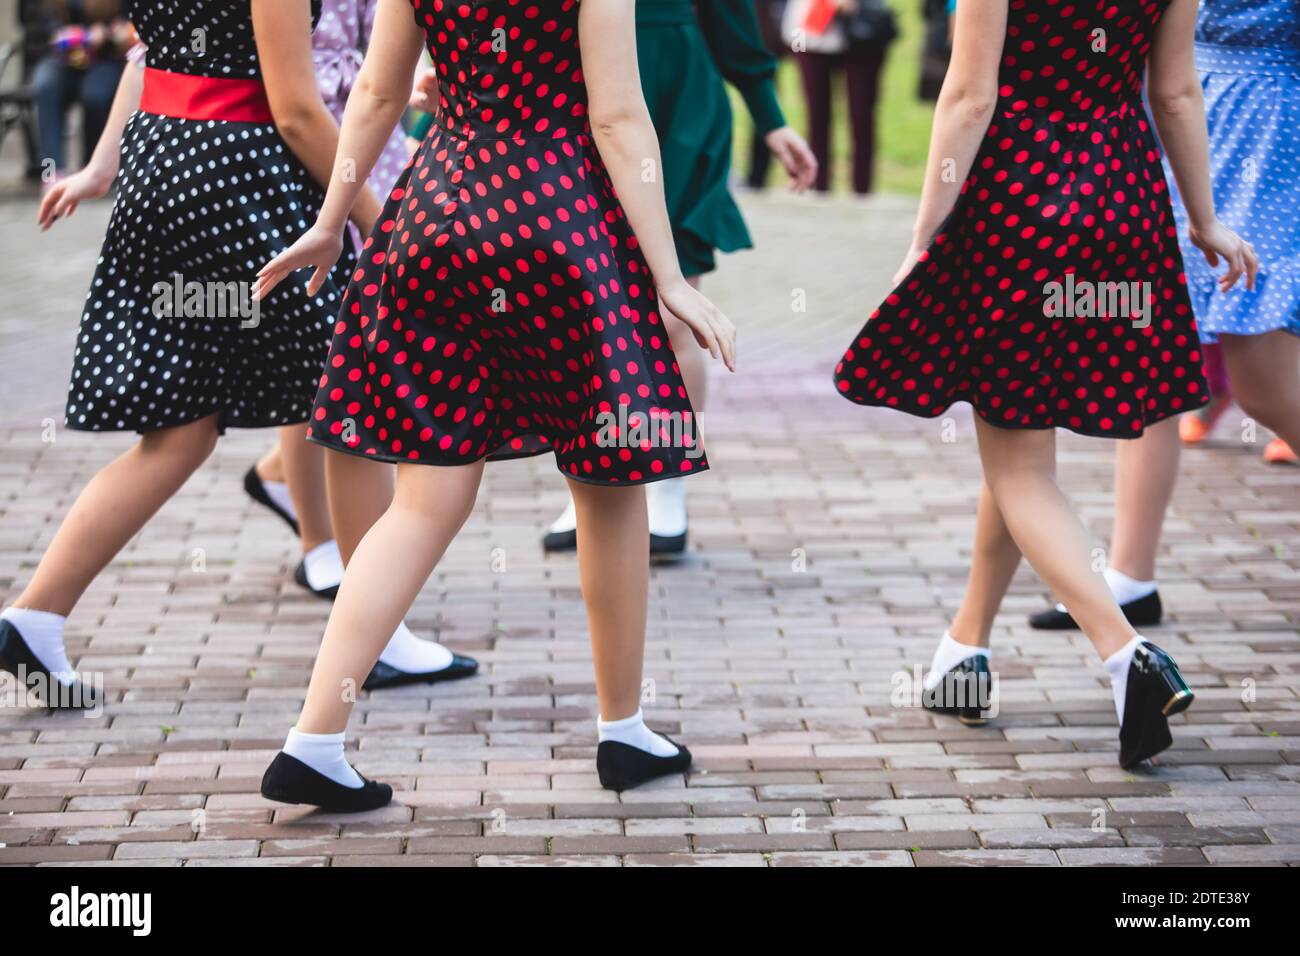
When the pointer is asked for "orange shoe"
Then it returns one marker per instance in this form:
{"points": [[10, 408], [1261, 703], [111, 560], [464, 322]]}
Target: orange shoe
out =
{"points": [[1278, 452], [1195, 427], [1192, 430]]}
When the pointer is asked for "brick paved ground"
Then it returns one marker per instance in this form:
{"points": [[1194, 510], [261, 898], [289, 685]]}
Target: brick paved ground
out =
{"points": [[779, 679]]}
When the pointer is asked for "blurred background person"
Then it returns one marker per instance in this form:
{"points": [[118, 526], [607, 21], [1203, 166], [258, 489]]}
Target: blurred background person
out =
{"points": [[830, 37], [937, 45], [82, 67], [768, 13]]}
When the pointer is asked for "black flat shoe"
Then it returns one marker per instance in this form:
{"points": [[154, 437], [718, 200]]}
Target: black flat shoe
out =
{"points": [[17, 658], [289, 780], [1144, 612], [300, 575], [661, 544], [385, 675], [1154, 693], [560, 541], [966, 692], [257, 491], [622, 766]]}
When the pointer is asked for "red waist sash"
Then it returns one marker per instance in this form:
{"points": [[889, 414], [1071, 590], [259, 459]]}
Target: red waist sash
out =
{"points": [[204, 97]]}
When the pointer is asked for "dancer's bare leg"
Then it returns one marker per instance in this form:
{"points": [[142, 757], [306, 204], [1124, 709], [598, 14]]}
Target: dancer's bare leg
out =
{"points": [[360, 491], [304, 473], [994, 560], [1020, 471], [112, 509], [270, 467], [1265, 372], [1146, 470], [613, 543], [386, 572]]}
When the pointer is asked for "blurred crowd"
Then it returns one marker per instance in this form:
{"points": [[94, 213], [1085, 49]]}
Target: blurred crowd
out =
{"points": [[72, 55], [834, 40]]}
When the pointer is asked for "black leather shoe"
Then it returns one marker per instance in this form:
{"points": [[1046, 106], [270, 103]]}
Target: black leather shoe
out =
{"points": [[622, 766], [1144, 612], [289, 780], [300, 575], [17, 658], [966, 692], [257, 491], [560, 541], [661, 544], [384, 675], [1154, 693]]}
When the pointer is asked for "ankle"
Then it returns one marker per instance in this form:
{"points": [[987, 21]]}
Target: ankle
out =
{"points": [[970, 635], [38, 604], [1114, 644]]}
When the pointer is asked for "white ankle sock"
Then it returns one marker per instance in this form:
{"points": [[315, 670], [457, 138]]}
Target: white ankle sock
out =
{"points": [[633, 732], [324, 566], [278, 492], [666, 505], [1122, 588], [1125, 588], [43, 632], [324, 754], [948, 655], [1117, 666], [408, 653], [567, 521]]}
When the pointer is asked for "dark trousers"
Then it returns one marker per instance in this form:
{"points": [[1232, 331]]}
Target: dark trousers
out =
{"points": [[862, 75], [768, 13], [57, 87]]}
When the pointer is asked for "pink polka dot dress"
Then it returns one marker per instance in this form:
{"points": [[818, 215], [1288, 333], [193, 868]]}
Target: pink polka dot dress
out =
{"points": [[501, 307], [1053, 296]]}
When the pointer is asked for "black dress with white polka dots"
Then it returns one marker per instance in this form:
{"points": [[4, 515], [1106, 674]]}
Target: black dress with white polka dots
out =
{"points": [[201, 206]]}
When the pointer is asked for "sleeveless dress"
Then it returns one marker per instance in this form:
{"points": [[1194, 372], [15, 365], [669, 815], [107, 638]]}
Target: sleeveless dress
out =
{"points": [[200, 204], [1248, 55], [501, 307], [1053, 296]]}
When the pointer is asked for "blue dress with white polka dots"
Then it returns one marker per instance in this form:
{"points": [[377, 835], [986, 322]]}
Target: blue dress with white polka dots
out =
{"points": [[1248, 54]]}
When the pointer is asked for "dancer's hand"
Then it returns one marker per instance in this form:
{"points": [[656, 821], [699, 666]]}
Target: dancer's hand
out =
{"points": [[318, 248], [909, 263], [712, 330], [1217, 242], [794, 153], [64, 196], [424, 95]]}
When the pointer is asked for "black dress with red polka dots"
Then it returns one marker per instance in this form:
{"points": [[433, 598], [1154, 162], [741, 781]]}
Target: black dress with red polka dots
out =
{"points": [[501, 307], [1053, 295]]}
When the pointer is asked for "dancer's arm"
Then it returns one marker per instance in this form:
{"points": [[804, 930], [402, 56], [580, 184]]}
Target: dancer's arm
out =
{"points": [[626, 140], [1178, 109], [283, 34], [730, 29], [96, 177], [373, 110], [961, 117]]}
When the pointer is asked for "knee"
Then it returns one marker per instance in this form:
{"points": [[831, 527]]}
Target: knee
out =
{"points": [[1011, 481], [1255, 404]]}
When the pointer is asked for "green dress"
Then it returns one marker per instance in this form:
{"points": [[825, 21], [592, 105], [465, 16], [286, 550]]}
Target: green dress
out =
{"points": [[685, 51]]}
